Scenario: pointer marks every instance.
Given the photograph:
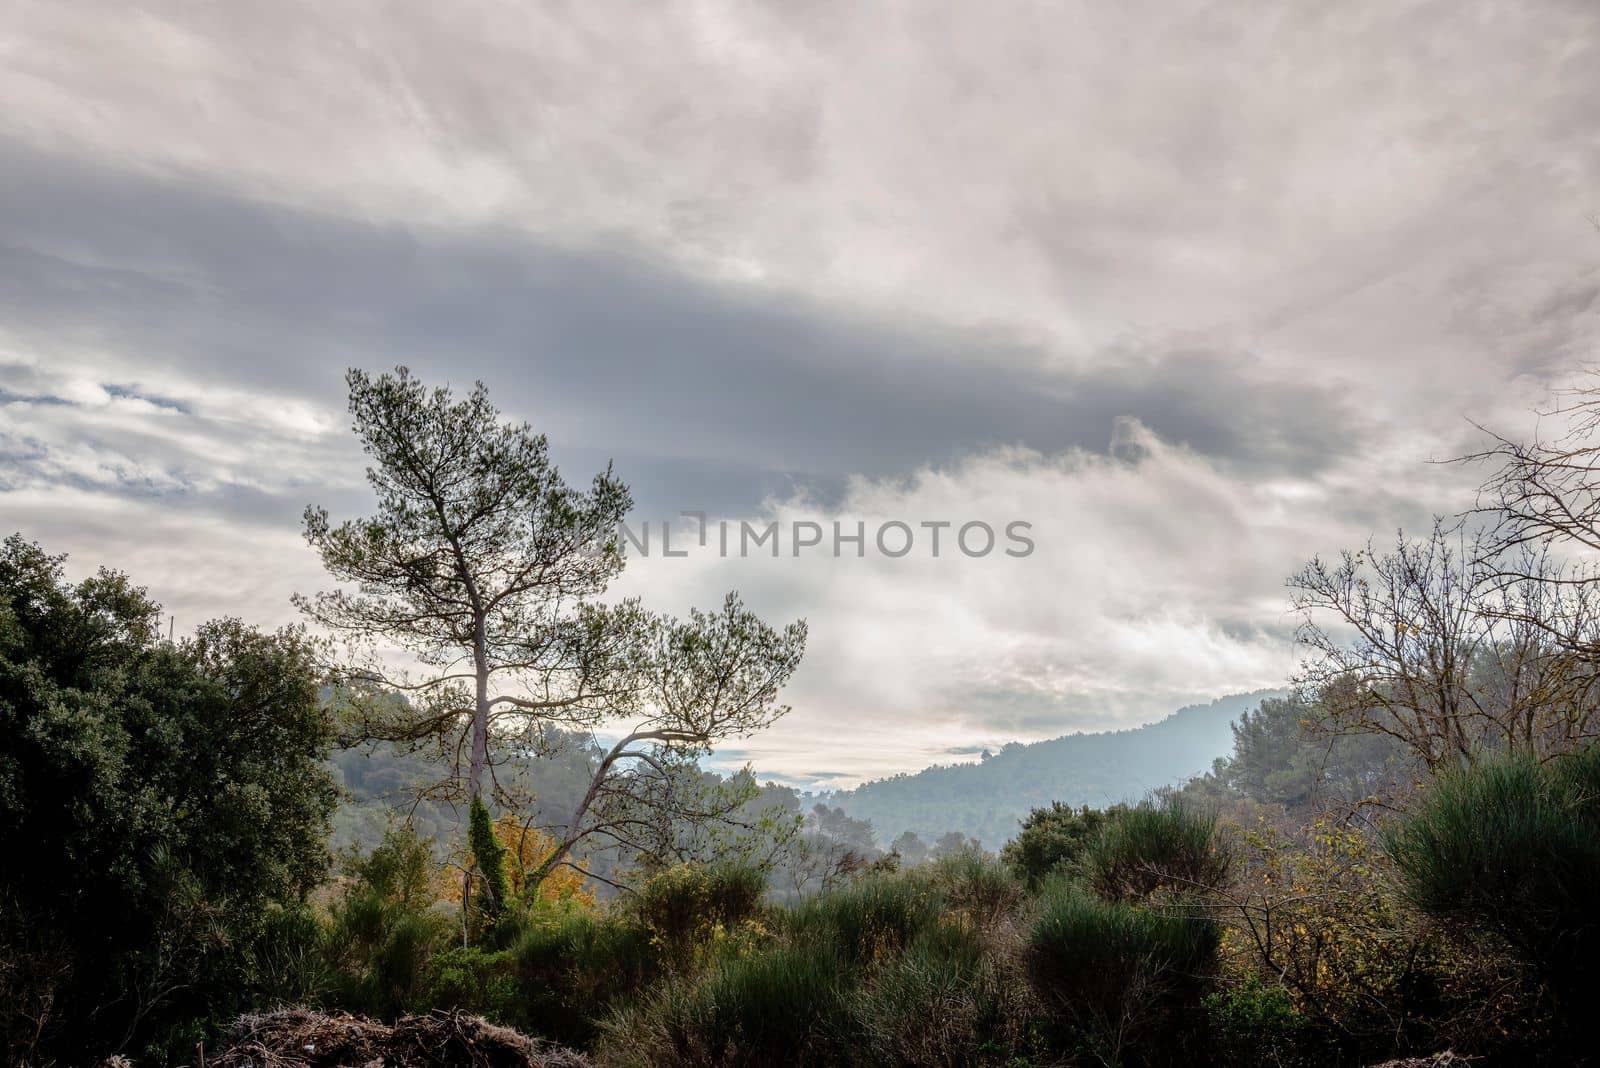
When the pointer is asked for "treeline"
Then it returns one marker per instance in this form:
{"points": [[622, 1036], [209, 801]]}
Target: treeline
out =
{"points": [[986, 799], [807, 844]]}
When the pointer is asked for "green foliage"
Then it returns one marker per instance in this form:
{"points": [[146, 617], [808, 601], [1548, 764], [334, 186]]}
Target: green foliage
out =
{"points": [[1054, 840], [1512, 847], [950, 998], [471, 979], [490, 857], [574, 968], [1255, 1023], [387, 927], [781, 1006], [289, 963], [1122, 978], [898, 968], [159, 803], [1163, 848], [689, 910], [976, 886], [874, 918]]}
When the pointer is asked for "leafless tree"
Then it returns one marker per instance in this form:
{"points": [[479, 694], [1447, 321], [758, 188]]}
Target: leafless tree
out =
{"points": [[1453, 644]]}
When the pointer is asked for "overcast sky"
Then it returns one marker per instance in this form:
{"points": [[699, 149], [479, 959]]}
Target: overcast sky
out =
{"points": [[1195, 289]]}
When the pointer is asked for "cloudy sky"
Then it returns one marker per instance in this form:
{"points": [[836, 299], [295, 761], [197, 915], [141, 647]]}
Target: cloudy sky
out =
{"points": [[1196, 289]]}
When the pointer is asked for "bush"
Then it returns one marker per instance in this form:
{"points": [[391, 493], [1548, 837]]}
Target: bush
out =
{"points": [[1316, 915], [572, 969], [1121, 978], [974, 885], [159, 803], [691, 911], [877, 916], [1255, 1023], [1513, 848], [948, 999], [288, 964], [1155, 849], [470, 979], [386, 928], [782, 1006], [1053, 840]]}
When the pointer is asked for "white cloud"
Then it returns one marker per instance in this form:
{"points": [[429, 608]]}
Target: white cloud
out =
{"points": [[1374, 210], [1156, 579]]}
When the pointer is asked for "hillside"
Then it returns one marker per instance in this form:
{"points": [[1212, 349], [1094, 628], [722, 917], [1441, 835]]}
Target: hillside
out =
{"points": [[986, 800]]}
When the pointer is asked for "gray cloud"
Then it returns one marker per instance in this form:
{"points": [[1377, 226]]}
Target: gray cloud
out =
{"points": [[797, 259], [713, 393]]}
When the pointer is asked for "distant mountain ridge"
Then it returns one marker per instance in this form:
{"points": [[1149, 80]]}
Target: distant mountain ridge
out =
{"points": [[987, 800]]}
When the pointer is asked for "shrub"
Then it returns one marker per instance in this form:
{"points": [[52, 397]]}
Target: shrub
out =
{"points": [[1255, 1023], [470, 979], [1315, 914], [974, 885], [1513, 848], [691, 911], [1053, 840], [947, 999], [1120, 977], [782, 1006], [574, 968], [876, 916], [1163, 848], [385, 928], [288, 964], [158, 803]]}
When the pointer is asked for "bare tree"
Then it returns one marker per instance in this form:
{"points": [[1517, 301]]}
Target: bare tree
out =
{"points": [[1545, 492], [1450, 645]]}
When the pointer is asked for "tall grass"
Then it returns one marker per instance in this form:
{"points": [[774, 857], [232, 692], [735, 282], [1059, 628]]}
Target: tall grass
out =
{"points": [[949, 998], [912, 968]]}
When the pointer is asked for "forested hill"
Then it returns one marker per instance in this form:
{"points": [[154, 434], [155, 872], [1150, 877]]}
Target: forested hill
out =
{"points": [[987, 800]]}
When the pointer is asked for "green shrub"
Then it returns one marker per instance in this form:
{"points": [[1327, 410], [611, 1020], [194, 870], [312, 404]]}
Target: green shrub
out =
{"points": [[692, 913], [974, 885], [1119, 978], [289, 963], [681, 900], [386, 928], [1255, 1023], [781, 1006], [947, 999], [1053, 840], [876, 916], [1160, 848], [471, 979], [573, 969], [1513, 848]]}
